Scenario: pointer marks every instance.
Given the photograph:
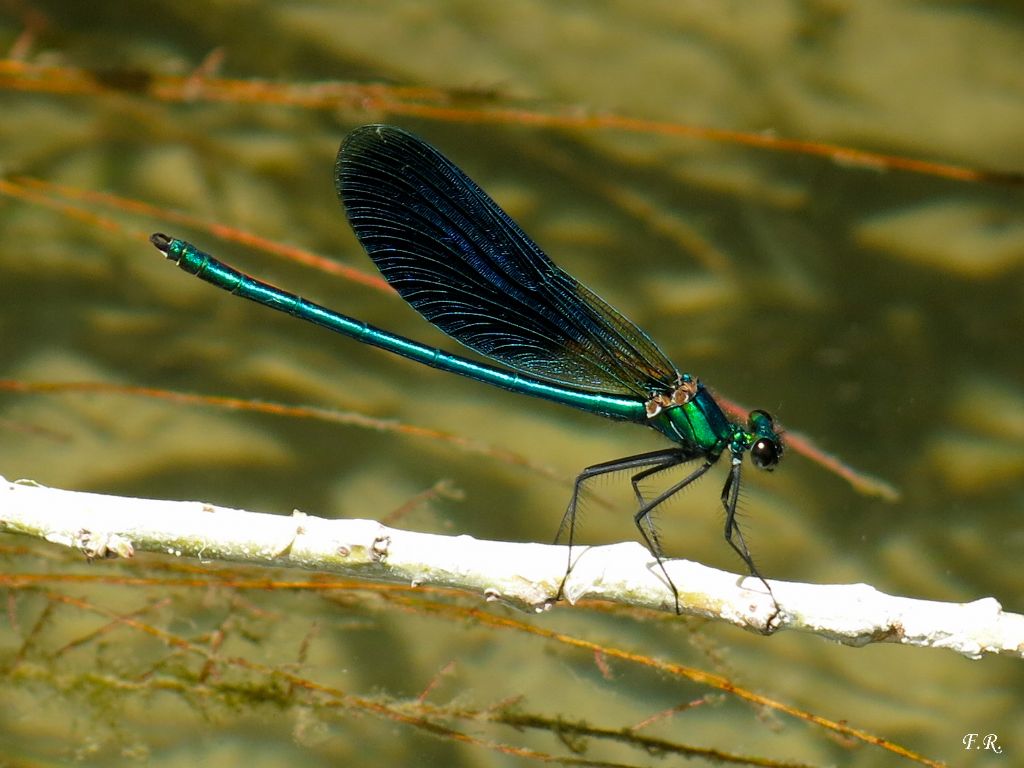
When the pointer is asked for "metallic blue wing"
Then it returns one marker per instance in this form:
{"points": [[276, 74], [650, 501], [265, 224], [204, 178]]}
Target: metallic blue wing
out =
{"points": [[461, 262]]}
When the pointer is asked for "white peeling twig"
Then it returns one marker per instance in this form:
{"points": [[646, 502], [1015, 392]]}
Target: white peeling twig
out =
{"points": [[524, 575]]}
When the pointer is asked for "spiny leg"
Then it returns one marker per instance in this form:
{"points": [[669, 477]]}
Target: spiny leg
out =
{"points": [[641, 517], [733, 535], [638, 478], [664, 457]]}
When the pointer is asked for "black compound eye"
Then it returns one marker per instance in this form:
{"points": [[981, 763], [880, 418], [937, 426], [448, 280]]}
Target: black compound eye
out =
{"points": [[765, 453]]}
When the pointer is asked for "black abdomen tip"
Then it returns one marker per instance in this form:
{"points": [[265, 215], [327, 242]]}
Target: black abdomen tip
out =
{"points": [[161, 241]]}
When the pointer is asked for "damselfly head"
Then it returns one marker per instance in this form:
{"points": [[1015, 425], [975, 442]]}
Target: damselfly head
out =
{"points": [[766, 450]]}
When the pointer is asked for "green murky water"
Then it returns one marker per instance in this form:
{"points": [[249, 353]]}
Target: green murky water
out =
{"points": [[878, 312]]}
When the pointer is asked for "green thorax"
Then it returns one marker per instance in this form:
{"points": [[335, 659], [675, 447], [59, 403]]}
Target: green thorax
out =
{"points": [[691, 417]]}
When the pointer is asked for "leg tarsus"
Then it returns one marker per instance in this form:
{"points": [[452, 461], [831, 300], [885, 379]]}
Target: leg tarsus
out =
{"points": [[641, 520], [733, 534], [655, 460]]}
